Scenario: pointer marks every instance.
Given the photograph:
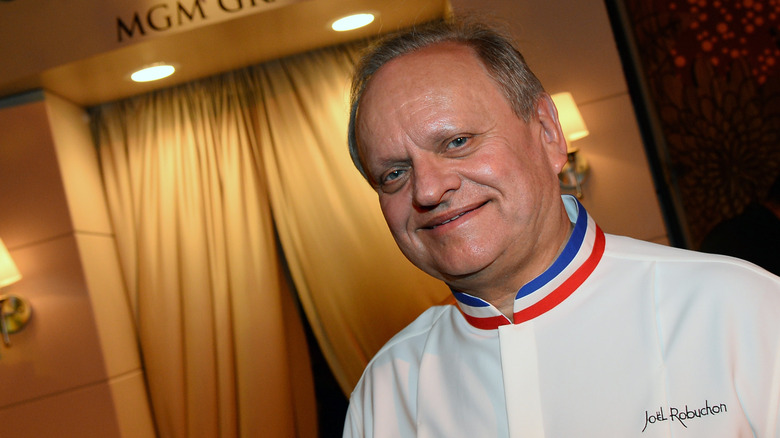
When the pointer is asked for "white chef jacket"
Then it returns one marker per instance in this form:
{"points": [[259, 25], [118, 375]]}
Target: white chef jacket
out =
{"points": [[617, 338]]}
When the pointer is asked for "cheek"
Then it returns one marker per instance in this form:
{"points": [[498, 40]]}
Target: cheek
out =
{"points": [[395, 213], [500, 155], [499, 171]]}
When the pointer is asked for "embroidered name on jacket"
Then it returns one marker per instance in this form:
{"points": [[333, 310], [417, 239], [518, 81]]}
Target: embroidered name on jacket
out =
{"points": [[683, 415]]}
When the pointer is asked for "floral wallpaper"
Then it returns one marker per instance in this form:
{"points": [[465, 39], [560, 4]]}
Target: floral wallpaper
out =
{"points": [[713, 72]]}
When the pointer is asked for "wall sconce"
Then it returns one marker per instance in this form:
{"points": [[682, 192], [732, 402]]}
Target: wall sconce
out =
{"points": [[14, 311], [576, 169]]}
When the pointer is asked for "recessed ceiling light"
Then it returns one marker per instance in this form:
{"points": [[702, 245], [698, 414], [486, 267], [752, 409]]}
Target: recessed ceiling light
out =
{"points": [[352, 22], [153, 73]]}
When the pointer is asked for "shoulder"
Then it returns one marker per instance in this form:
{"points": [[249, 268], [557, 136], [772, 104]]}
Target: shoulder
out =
{"points": [[407, 343], [675, 270], [389, 374], [628, 248], [403, 352]]}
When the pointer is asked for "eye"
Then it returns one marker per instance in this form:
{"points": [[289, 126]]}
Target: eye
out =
{"points": [[458, 142], [392, 176]]}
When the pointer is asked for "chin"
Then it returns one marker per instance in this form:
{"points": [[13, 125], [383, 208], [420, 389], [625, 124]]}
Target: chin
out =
{"points": [[453, 273], [452, 265]]}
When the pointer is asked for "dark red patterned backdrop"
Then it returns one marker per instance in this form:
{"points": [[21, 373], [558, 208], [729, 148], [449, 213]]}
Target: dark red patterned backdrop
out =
{"points": [[712, 69]]}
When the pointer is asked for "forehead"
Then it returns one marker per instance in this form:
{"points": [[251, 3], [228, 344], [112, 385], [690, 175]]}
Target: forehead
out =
{"points": [[445, 81], [442, 65]]}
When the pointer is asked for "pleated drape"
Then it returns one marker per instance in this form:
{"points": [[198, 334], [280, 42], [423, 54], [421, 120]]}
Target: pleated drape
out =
{"points": [[199, 178], [355, 285]]}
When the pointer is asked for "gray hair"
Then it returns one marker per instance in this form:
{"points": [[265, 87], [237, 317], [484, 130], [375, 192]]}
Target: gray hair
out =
{"points": [[504, 63]]}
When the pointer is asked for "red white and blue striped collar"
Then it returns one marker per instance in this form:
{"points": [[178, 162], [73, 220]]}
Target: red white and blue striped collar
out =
{"points": [[576, 262]]}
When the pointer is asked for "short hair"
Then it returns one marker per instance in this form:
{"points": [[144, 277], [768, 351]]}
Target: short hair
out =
{"points": [[504, 63]]}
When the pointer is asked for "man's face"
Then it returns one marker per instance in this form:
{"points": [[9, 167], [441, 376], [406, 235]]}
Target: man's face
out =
{"points": [[465, 185]]}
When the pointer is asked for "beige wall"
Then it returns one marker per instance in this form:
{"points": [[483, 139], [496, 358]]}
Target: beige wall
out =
{"points": [[74, 371], [570, 46]]}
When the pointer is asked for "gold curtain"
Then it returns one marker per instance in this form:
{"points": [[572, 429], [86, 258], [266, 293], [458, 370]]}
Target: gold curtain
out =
{"points": [[198, 180], [355, 285]]}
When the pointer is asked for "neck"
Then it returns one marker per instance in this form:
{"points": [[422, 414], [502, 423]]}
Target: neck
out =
{"points": [[501, 290], [507, 306]]}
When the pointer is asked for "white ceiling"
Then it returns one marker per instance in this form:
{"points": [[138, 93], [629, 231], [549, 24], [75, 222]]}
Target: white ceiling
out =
{"points": [[37, 53]]}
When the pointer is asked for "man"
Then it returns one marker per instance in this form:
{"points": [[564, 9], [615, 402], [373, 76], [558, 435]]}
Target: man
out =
{"points": [[558, 329]]}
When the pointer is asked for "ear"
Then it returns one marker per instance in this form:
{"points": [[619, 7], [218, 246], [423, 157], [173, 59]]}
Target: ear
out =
{"points": [[552, 135]]}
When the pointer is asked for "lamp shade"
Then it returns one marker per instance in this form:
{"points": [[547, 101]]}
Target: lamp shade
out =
{"points": [[569, 115], [8, 272]]}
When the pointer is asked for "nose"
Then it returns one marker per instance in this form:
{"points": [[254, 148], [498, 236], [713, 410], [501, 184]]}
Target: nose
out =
{"points": [[434, 178]]}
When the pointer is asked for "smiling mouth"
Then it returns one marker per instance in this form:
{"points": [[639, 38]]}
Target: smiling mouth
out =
{"points": [[457, 216], [452, 219]]}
